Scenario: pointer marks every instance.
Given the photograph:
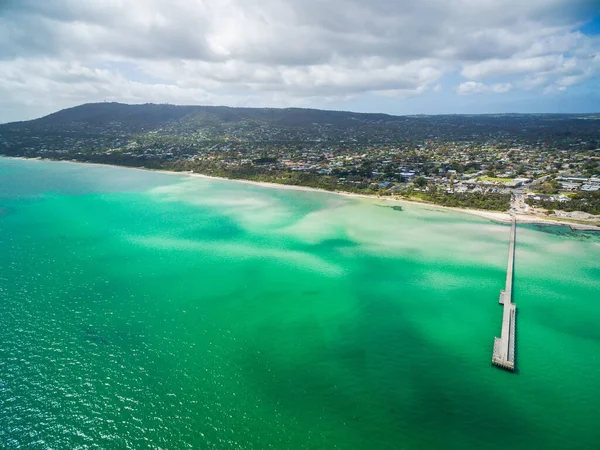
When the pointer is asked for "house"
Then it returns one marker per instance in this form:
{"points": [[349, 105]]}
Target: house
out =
{"points": [[520, 181], [590, 188], [542, 197], [569, 186], [574, 179]]}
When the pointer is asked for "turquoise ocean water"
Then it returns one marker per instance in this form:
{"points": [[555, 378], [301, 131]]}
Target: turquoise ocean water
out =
{"points": [[146, 310]]}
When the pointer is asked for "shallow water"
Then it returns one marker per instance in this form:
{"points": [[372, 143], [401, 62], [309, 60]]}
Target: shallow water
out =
{"points": [[145, 310]]}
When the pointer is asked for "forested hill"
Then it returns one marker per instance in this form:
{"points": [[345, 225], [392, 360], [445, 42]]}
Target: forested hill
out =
{"points": [[150, 116], [108, 120]]}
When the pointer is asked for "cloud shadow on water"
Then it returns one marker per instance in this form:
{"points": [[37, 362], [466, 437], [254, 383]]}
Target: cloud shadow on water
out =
{"points": [[382, 381]]}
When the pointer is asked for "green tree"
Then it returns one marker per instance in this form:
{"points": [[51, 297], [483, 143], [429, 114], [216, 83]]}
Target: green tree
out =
{"points": [[420, 182]]}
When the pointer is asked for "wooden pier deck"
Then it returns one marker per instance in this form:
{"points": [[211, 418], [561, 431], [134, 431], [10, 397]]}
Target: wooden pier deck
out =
{"points": [[503, 355]]}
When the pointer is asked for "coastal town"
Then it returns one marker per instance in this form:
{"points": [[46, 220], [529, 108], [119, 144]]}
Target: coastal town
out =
{"points": [[536, 166]]}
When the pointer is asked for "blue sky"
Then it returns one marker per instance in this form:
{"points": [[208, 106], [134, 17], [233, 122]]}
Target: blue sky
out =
{"points": [[392, 56], [592, 27]]}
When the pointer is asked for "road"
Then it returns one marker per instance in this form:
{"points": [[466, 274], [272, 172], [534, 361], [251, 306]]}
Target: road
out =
{"points": [[517, 203]]}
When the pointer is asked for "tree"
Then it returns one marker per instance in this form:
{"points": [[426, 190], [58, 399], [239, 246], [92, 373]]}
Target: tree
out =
{"points": [[546, 188], [550, 187], [420, 182], [457, 166]]}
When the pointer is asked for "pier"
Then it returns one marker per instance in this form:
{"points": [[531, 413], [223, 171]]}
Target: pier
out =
{"points": [[504, 346]]}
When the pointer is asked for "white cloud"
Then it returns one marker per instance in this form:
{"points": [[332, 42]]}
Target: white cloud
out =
{"points": [[475, 87], [471, 87], [501, 88], [275, 52], [556, 61], [502, 67]]}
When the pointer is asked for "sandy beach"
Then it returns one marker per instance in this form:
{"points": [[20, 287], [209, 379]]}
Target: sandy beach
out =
{"points": [[495, 216]]}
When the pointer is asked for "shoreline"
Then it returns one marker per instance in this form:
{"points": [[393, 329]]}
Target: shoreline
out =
{"points": [[493, 216]]}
